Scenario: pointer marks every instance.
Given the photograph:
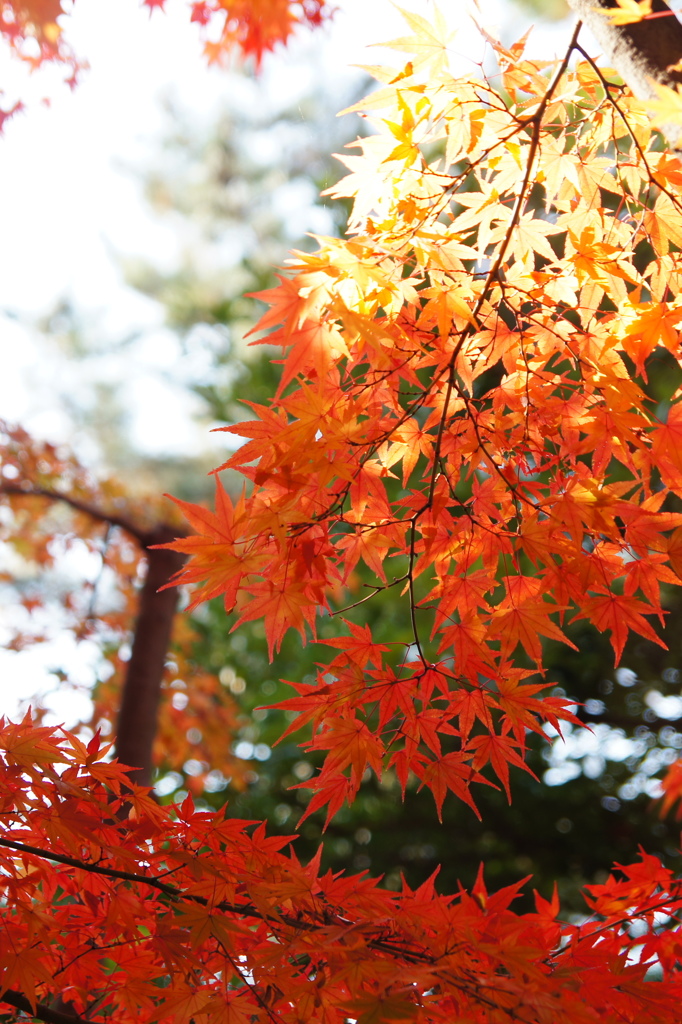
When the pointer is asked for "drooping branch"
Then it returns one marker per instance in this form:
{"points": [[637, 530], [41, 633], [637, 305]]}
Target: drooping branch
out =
{"points": [[102, 516], [247, 910], [401, 944], [642, 52], [83, 865]]}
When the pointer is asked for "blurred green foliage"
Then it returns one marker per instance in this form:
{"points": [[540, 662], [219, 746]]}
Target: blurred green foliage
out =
{"points": [[549, 10]]}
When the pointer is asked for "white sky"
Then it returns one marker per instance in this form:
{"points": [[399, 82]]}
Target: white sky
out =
{"points": [[69, 206]]}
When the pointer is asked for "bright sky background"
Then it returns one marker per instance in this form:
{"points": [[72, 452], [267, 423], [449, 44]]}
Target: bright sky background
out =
{"points": [[70, 205]]}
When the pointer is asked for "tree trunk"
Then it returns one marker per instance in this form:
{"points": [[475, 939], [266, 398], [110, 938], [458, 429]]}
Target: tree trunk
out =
{"points": [[137, 720]]}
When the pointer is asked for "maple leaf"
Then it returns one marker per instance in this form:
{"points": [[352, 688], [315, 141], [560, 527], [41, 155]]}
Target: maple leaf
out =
{"points": [[24, 970], [27, 746], [667, 447], [523, 616], [395, 695], [429, 43], [619, 613], [201, 12], [627, 12], [222, 531], [359, 646], [472, 705], [650, 324], [671, 784], [523, 710], [501, 751], [451, 772], [284, 606], [667, 108], [331, 793], [674, 547], [351, 744]]}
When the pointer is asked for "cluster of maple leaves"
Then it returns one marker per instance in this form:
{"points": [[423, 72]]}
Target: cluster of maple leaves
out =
{"points": [[462, 408], [254, 27], [463, 414], [130, 912]]}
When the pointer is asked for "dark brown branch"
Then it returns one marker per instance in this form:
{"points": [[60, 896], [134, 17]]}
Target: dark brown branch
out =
{"points": [[42, 1011], [640, 53], [93, 869]]}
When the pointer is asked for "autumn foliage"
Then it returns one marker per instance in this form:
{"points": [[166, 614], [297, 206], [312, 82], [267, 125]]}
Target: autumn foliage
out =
{"points": [[463, 410], [132, 912], [465, 415], [37, 30]]}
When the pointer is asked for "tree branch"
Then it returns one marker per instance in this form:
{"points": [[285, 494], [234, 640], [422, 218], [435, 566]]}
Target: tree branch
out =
{"points": [[385, 945], [135, 531], [94, 869], [42, 1010]]}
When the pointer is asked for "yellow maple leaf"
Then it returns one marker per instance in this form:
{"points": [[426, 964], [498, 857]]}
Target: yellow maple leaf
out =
{"points": [[429, 43], [667, 108], [628, 12]]}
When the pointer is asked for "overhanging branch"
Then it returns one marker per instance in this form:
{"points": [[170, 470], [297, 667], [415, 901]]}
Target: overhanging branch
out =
{"points": [[247, 910]]}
